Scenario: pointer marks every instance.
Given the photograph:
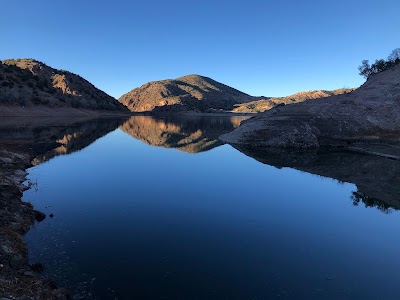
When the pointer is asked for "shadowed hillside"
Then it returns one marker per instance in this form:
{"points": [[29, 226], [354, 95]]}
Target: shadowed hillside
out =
{"points": [[29, 83]]}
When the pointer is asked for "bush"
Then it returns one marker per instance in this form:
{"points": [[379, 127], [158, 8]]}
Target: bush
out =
{"points": [[36, 100], [25, 77]]}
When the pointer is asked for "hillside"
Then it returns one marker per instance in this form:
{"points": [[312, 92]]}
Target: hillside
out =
{"points": [[368, 115], [268, 103], [29, 83], [203, 94], [192, 92]]}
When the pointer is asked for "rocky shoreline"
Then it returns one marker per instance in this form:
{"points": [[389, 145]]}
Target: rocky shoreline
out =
{"points": [[24, 144], [18, 279]]}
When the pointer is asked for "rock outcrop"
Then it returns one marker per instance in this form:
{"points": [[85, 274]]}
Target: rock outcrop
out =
{"points": [[29, 83], [370, 114]]}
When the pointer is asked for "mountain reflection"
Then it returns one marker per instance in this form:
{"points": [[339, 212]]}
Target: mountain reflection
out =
{"points": [[377, 178], [43, 139], [188, 134]]}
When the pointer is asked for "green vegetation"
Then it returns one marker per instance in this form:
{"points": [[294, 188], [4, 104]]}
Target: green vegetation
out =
{"points": [[380, 65]]}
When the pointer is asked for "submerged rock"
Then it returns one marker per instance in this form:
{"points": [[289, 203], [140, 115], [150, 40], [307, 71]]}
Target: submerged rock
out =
{"points": [[39, 216]]}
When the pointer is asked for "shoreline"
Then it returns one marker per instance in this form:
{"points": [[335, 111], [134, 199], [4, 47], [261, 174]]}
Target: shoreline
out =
{"points": [[56, 112], [19, 279], [66, 112], [18, 150]]}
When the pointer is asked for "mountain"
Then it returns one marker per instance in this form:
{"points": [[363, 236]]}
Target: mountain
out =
{"points": [[188, 93], [203, 94], [368, 115], [268, 103], [29, 83]]}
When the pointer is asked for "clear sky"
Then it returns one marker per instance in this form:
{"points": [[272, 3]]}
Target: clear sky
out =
{"points": [[270, 48]]}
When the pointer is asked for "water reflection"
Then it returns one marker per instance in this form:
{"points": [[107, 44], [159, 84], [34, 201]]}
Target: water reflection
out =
{"points": [[188, 134], [44, 138], [134, 221], [377, 178]]}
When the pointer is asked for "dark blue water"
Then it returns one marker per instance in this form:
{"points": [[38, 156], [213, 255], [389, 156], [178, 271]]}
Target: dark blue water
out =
{"points": [[135, 221]]}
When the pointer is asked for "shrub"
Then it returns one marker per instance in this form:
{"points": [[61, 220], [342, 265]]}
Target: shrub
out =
{"points": [[25, 77], [36, 100]]}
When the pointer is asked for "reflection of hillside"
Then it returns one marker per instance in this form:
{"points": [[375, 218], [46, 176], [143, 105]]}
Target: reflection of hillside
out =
{"points": [[377, 179], [43, 141], [188, 134]]}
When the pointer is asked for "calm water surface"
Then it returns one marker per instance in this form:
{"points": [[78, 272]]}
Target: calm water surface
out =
{"points": [[159, 209]]}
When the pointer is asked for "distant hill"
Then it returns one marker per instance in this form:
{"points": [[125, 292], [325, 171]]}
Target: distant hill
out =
{"points": [[268, 103], [192, 92], [203, 94], [29, 83]]}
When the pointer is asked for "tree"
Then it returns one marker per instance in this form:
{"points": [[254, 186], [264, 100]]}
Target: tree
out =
{"points": [[365, 69], [394, 56], [378, 66]]}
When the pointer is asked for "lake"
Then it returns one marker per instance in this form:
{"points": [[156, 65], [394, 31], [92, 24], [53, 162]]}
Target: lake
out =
{"points": [[158, 208]]}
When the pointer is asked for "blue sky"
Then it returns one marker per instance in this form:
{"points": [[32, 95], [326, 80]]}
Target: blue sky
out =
{"points": [[260, 47]]}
